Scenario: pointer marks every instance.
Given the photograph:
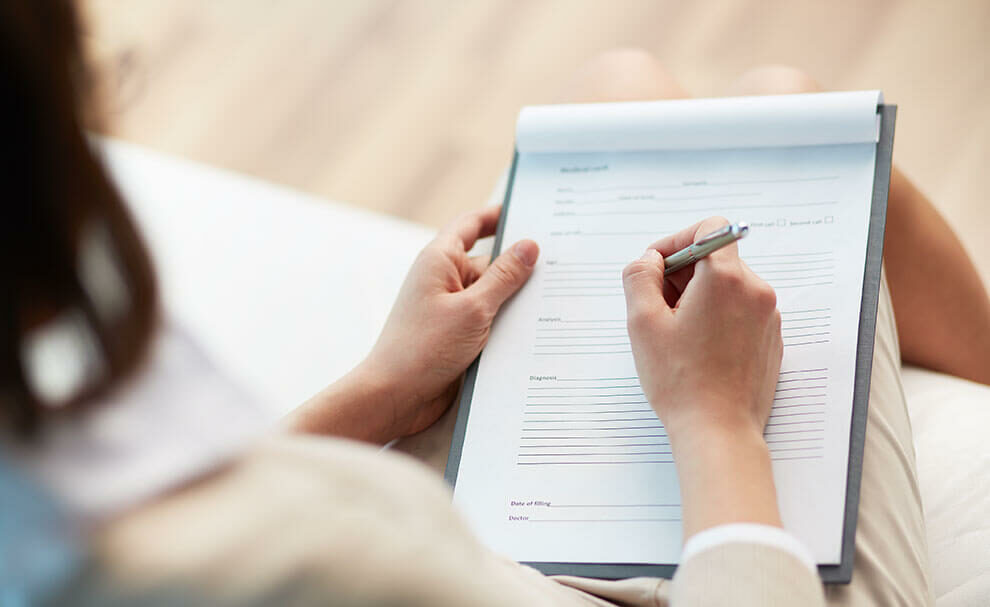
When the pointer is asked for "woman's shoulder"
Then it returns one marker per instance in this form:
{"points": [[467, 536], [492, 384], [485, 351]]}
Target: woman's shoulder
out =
{"points": [[276, 485], [290, 507]]}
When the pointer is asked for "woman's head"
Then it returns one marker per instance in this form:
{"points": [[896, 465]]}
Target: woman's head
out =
{"points": [[73, 269]]}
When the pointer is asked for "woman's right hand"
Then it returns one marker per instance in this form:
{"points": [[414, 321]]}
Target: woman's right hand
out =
{"points": [[707, 347], [707, 340]]}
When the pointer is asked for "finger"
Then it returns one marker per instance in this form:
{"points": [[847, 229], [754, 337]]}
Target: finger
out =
{"points": [[726, 256], [685, 238], [474, 268], [670, 244], [642, 281], [469, 227], [506, 274], [712, 224], [722, 274]]}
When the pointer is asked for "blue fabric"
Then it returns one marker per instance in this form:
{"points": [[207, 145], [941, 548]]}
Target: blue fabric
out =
{"points": [[40, 548]]}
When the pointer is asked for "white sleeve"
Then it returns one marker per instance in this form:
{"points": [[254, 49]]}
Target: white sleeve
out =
{"points": [[750, 533]]}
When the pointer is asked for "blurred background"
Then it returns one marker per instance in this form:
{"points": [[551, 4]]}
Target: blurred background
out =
{"points": [[408, 106]]}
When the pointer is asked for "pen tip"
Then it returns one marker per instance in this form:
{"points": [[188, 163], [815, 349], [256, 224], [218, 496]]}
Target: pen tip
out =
{"points": [[743, 228]]}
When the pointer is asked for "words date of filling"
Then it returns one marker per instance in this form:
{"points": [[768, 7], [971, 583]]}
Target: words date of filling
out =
{"points": [[518, 516]]}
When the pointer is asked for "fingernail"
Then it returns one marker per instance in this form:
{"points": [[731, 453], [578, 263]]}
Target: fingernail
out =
{"points": [[651, 255], [526, 251]]}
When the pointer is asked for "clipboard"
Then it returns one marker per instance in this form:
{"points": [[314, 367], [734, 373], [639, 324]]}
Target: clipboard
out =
{"points": [[831, 574]]}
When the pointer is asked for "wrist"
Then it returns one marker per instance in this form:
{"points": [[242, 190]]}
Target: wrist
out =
{"points": [[383, 398], [723, 420], [717, 446], [726, 476], [353, 407]]}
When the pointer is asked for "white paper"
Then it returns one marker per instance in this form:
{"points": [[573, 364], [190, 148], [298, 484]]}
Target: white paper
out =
{"points": [[694, 124], [563, 459]]}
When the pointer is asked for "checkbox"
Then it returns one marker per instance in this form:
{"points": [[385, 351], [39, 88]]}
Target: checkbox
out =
{"points": [[829, 219]]}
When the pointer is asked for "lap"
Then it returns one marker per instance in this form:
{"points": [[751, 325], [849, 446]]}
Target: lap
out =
{"points": [[891, 558], [891, 555]]}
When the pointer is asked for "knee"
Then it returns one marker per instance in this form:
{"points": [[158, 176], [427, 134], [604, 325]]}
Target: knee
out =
{"points": [[623, 74], [630, 61], [775, 80]]}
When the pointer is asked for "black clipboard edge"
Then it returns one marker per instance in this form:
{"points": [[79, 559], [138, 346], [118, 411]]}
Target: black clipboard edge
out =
{"points": [[830, 574]]}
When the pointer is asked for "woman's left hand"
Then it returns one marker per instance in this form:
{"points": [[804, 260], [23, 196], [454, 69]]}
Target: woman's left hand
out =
{"points": [[437, 327], [442, 318]]}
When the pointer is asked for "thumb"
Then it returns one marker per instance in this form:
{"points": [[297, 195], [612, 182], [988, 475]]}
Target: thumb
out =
{"points": [[507, 273], [642, 280]]}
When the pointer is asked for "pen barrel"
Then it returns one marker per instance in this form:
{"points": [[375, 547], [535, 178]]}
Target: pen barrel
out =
{"points": [[704, 247], [678, 261]]}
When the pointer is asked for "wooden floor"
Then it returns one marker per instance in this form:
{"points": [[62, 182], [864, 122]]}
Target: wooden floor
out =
{"points": [[408, 106]]}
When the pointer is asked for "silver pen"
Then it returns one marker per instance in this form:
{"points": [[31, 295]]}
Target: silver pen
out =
{"points": [[704, 247]]}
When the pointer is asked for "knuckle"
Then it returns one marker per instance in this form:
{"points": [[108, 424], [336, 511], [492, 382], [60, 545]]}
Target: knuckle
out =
{"points": [[503, 273], [478, 310], [637, 317], [634, 269], [734, 278], [713, 223], [765, 295], [729, 276], [443, 244]]}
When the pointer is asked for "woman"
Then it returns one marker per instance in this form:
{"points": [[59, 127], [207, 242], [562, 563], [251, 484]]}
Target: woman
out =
{"points": [[301, 518]]}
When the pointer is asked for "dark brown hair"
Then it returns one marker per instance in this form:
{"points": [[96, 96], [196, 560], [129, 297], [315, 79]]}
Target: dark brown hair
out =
{"points": [[54, 192]]}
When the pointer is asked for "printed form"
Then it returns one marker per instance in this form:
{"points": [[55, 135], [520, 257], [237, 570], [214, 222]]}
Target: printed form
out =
{"points": [[563, 459]]}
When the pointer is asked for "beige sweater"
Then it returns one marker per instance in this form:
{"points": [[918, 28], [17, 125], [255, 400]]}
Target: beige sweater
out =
{"points": [[306, 520], [309, 520]]}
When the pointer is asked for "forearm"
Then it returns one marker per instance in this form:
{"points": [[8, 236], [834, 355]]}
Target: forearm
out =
{"points": [[725, 477], [349, 408]]}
